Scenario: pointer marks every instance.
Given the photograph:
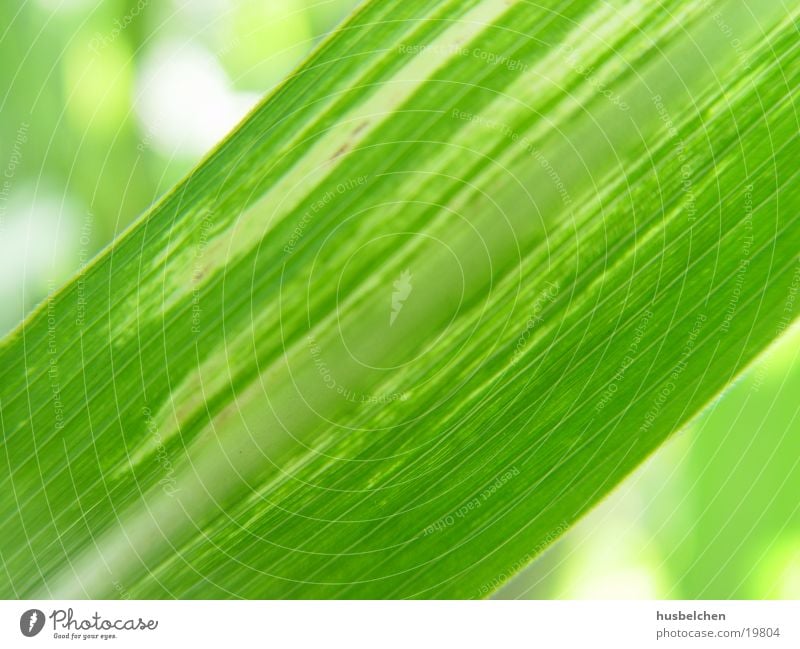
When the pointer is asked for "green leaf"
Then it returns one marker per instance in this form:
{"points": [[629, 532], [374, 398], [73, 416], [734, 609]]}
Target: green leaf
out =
{"points": [[451, 282]]}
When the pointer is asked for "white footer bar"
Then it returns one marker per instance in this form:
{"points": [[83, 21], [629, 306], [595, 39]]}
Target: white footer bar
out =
{"points": [[399, 624]]}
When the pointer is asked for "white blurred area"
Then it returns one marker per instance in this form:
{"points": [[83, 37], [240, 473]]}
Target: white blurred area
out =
{"points": [[607, 564], [38, 246], [202, 67], [208, 65], [184, 101]]}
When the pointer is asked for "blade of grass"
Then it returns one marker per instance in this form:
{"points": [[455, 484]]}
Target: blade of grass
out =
{"points": [[429, 303]]}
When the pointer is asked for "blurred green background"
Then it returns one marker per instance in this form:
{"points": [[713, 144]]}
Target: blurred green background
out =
{"points": [[106, 105]]}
